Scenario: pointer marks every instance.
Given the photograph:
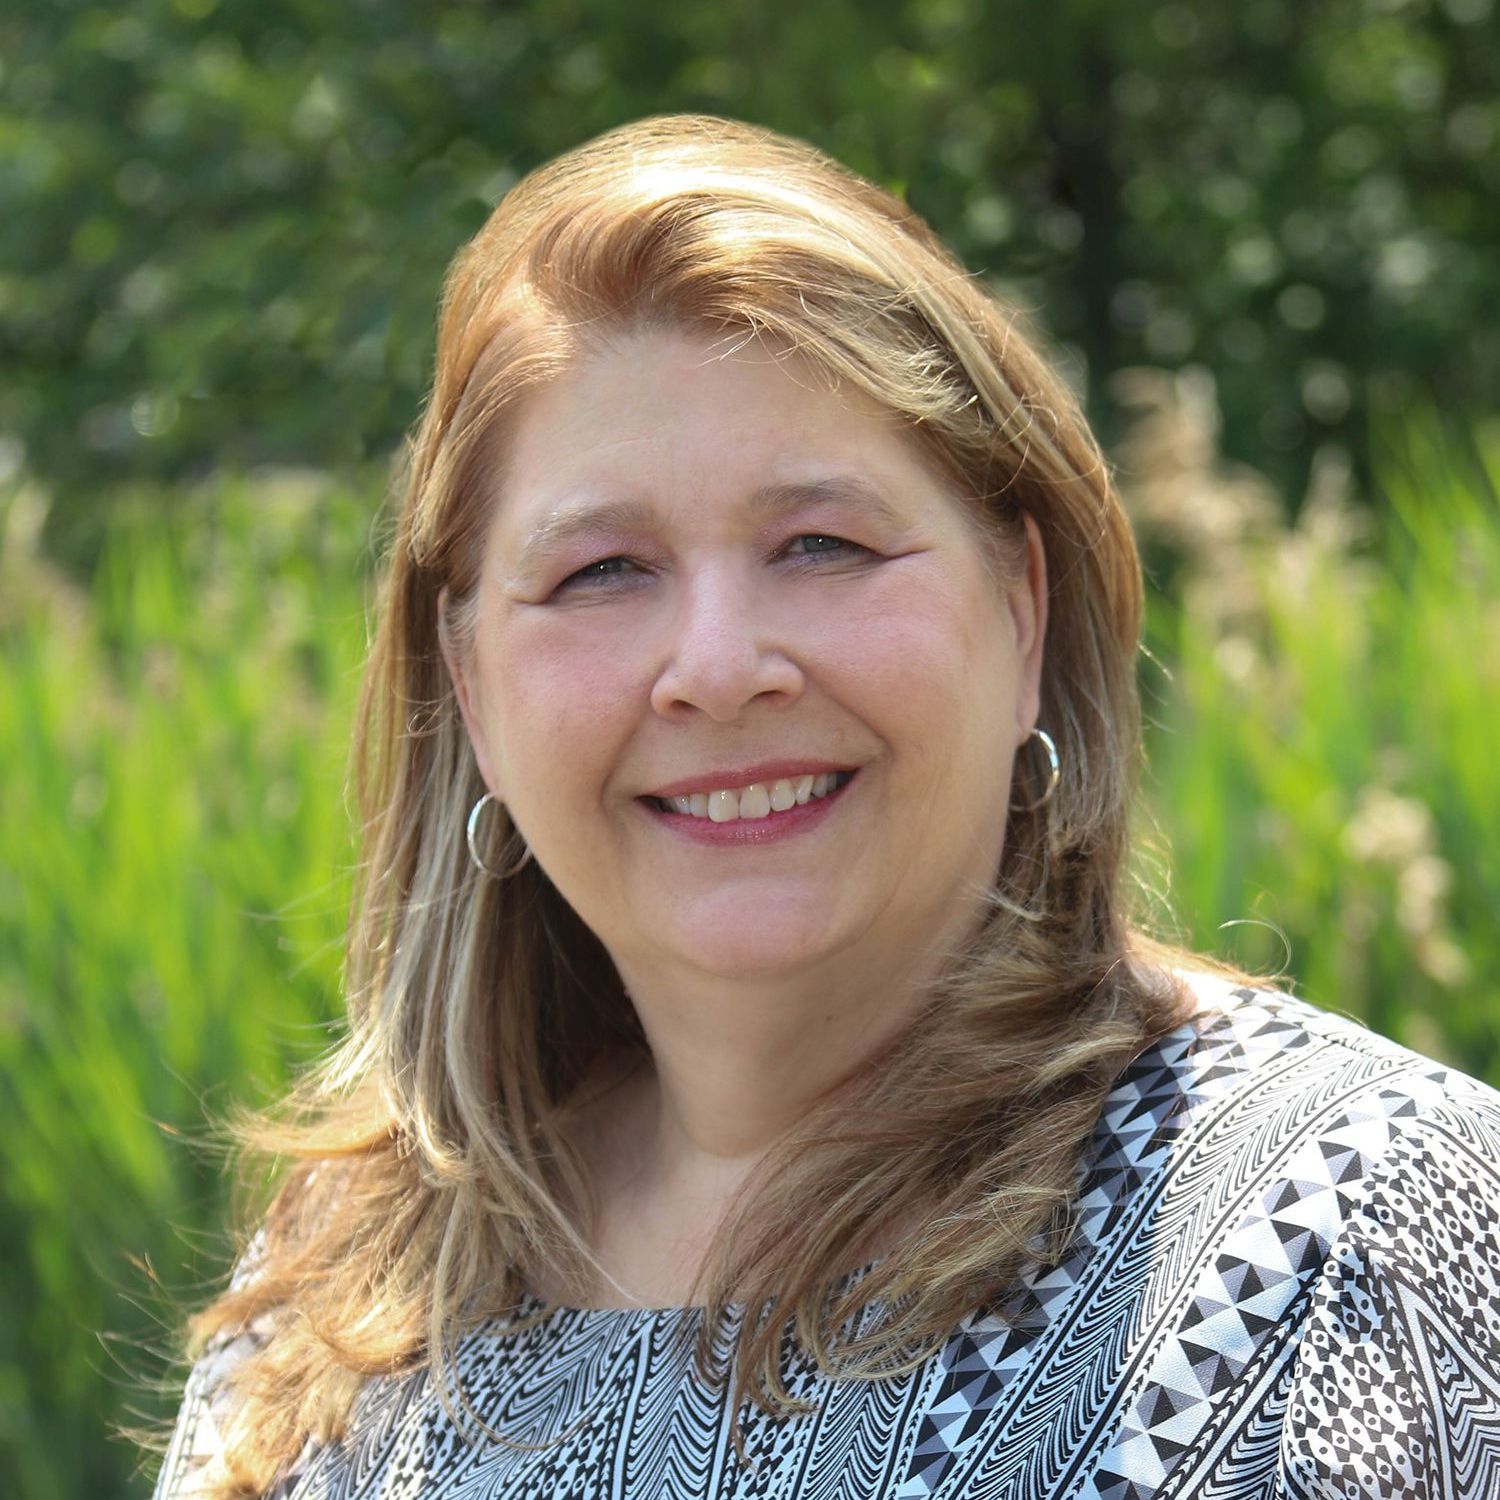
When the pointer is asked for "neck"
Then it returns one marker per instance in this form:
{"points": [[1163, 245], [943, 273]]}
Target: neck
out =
{"points": [[737, 1063]]}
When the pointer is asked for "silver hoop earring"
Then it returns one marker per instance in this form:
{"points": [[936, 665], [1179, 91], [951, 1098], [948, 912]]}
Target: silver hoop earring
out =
{"points": [[471, 834], [1054, 771]]}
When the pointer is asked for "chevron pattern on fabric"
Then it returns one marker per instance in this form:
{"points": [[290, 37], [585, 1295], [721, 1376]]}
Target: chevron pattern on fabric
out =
{"points": [[1285, 1285]]}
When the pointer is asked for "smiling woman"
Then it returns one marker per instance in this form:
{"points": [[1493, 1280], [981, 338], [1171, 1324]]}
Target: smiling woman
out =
{"points": [[754, 1084], [719, 659]]}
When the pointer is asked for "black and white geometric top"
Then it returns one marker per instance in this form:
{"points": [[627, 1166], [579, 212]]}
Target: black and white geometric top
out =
{"points": [[1286, 1283]]}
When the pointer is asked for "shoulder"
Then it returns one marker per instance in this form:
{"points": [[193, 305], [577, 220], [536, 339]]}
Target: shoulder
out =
{"points": [[1408, 1146], [1266, 1142], [1300, 1215], [211, 1409], [1366, 1183], [194, 1461], [1247, 1052]]}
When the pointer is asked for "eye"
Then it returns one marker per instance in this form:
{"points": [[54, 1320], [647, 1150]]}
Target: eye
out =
{"points": [[596, 574], [825, 544]]}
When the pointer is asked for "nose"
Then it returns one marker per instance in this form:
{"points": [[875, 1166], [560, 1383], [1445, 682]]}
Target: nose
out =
{"points": [[725, 652]]}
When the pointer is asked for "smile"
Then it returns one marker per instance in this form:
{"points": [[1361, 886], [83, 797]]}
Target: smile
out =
{"points": [[756, 801]]}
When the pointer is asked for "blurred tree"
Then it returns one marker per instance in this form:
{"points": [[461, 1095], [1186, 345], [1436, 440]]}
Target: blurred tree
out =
{"points": [[223, 223]]}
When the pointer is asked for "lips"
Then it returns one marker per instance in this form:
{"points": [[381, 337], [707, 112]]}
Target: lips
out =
{"points": [[737, 778], [727, 820], [758, 800]]}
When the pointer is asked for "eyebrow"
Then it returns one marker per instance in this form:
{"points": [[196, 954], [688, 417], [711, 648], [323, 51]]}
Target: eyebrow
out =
{"points": [[766, 503]]}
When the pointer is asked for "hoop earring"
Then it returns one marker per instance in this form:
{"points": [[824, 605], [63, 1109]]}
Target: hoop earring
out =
{"points": [[1054, 772], [471, 835]]}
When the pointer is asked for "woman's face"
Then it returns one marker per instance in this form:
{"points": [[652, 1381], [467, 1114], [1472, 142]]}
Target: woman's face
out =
{"points": [[707, 577]]}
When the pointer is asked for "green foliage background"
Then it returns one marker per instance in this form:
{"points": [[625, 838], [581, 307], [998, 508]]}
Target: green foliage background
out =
{"points": [[222, 231], [210, 209]]}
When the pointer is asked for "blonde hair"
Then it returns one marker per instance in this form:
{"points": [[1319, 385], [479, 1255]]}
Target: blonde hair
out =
{"points": [[430, 1160]]}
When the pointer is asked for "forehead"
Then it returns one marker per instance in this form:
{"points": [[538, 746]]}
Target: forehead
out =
{"points": [[673, 421], [673, 393]]}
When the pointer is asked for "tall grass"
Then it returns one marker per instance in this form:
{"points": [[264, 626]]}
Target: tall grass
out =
{"points": [[1325, 700], [173, 860], [174, 846]]}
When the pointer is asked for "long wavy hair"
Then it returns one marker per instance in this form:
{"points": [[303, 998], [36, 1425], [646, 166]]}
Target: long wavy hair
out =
{"points": [[425, 1163]]}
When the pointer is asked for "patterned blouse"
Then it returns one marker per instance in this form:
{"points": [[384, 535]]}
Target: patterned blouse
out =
{"points": [[1285, 1283]]}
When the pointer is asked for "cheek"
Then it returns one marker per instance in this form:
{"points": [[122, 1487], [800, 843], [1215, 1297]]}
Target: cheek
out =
{"points": [[936, 670], [933, 641], [550, 691]]}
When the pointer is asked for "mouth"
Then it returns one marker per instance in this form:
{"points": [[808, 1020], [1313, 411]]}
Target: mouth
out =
{"points": [[756, 802]]}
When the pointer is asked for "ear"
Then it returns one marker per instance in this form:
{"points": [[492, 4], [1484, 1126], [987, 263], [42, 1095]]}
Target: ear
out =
{"points": [[1028, 605], [460, 674]]}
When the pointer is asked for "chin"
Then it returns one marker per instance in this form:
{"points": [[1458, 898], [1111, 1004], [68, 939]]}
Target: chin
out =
{"points": [[770, 953], [757, 965]]}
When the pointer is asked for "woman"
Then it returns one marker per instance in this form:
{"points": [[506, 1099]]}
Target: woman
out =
{"points": [[753, 1084]]}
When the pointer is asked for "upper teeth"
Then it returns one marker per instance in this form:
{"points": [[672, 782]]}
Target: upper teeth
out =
{"points": [[757, 800]]}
